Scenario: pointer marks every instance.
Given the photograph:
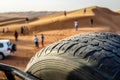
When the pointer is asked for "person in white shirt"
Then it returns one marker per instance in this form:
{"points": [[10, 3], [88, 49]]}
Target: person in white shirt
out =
{"points": [[36, 41], [76, 25]]}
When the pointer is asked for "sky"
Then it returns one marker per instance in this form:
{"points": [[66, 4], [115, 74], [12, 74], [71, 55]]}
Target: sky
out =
{"points": [[55, 5]]}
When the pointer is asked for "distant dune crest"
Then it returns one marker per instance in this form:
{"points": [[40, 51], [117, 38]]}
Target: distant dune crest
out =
{"points": [[103, 17]]}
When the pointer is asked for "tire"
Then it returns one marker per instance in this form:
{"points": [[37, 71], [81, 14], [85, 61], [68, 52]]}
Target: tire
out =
{"points": [[88, 56], [1, 56]]}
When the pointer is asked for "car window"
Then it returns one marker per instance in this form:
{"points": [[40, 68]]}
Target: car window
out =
{"points": [[1, 45], [8, 43]]}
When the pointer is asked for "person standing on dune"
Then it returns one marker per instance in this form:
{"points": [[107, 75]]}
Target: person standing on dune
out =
{"points": [[7, 29], [65, 13], [42, 40], [22, 30], [16, 35], [91, 22], [76, 25], [3, 30], [36, 41], [84, 10]]}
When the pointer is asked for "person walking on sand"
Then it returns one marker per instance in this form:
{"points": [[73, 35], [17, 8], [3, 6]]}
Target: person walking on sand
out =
{"points": [[24, 29], [65, 13], [21, 30], [16, 35], [7, 29], [91, 22], [84, 10], [76, 25], [36, 41], [3, 30], [42, 40]]}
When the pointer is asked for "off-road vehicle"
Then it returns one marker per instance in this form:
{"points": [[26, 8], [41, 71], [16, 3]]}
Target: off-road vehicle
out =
{"points": [[6, 48], [87, 56]]}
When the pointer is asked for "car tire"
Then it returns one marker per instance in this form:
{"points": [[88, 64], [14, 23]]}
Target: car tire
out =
{"points": [[87, 56], [1, 56]]}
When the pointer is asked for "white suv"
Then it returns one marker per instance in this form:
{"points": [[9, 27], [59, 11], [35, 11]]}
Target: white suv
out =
{"points": [[6, 48]]}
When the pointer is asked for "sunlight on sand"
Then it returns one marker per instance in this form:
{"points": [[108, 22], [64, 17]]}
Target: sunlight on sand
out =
{"points": [[56, 27]]}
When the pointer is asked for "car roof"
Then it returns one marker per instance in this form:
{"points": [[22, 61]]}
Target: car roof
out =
{"points": [[4, 40]]}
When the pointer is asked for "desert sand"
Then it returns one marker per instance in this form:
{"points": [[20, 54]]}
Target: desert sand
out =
{"points": [[56, 27]]}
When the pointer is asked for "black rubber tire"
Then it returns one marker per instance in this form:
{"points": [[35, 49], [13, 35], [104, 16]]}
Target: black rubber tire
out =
{"points": [[1, 56], [88, 56]]}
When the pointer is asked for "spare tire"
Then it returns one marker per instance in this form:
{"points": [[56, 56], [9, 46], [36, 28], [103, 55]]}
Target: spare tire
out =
{"points": [[88, 56]]}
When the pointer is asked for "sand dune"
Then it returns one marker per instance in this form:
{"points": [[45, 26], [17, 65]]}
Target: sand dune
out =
{"points": [[103, 17], [55, 27], [10, 18], [118, 11]]}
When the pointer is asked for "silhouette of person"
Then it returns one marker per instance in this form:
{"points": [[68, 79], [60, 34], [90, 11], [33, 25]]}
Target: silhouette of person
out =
{"points": [[76, 24], [22, 30], [42, 40], [26, 20], [84, 10], [65, 14], [91, 22], [16, 35], [3, 30]]}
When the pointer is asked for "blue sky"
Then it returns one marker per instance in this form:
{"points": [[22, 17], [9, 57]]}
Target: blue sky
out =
{"points": [[55, 5]]}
